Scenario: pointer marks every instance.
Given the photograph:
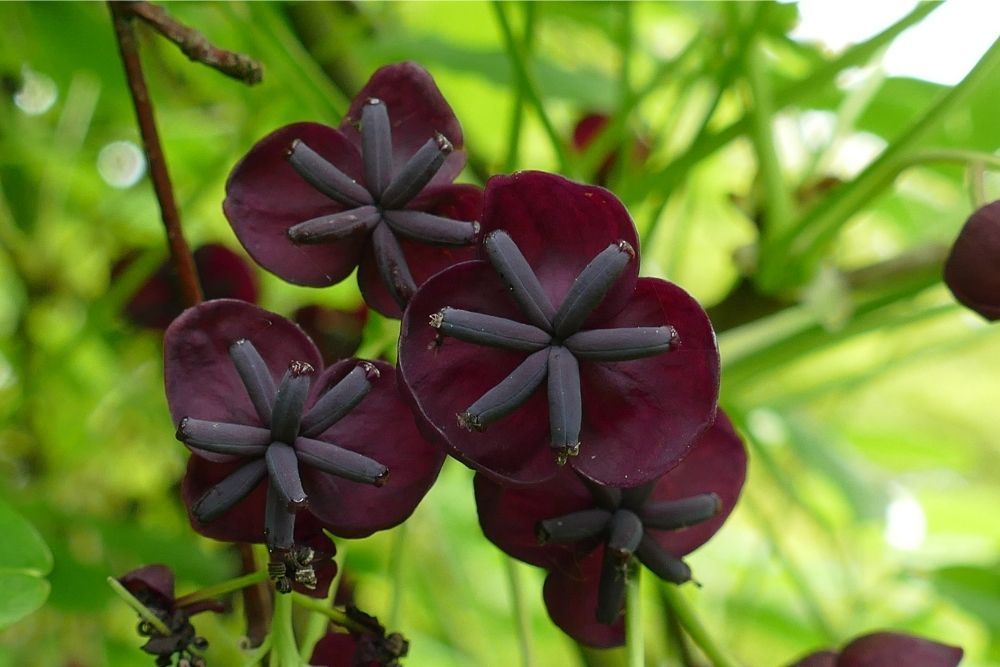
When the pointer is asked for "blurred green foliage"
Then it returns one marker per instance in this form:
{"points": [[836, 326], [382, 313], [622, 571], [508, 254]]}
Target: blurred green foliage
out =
{"points": [[866, 395]]}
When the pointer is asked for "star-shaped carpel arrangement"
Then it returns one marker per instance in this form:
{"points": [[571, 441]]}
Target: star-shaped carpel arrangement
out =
{"points": [[629, 365], [277, 460], [310, 202], [589, 536]]}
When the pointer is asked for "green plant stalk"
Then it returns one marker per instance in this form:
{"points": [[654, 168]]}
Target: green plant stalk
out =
{"points": [[810, 236], [530, 88], [519, 610], [517, 112], [317, 623], [338, 616], [634, 642], [779, 209], [222, 588], [284, 652], [396, 575], [145, 612], [664, 181], [256, 656], [689, 621]]}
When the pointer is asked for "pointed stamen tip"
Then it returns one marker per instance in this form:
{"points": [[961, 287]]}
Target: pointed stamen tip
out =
{"points": [[371, 370], [494, 235], [381, 478], [717, 506], [437, 319], [626, 247], [292, 148], [675, 338], [475, 229], [469, 421], [299, 368], [181, 433], [298, 504], [443, 144], [372, 101], [238, 343], [563, 454]]}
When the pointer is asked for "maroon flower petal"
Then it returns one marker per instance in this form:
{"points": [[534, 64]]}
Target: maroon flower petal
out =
{"points": [[417, 111], [509, 515], [640, 417], [717, 464], [571, 599], [890, 649], [152, 584], [336, 649], [201, 380], [265, 196], [560, 226], [972, 271], [818, 659], [244, 522], [458, 202], [442, 380], [381, 427], [224, 274]]}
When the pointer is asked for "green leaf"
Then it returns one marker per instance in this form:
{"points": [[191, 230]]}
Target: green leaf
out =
{"points": [[24, 561]]}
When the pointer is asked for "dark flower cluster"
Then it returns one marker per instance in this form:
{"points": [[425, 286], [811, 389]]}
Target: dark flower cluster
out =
{"points": [[584, 397], [886, 649]]}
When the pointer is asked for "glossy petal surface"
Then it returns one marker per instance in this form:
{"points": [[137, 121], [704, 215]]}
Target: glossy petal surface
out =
{"points": [[200, 377], [417, 111], [380, 427], [265, 196], [571, 598], [889, 649], [559, 227]]}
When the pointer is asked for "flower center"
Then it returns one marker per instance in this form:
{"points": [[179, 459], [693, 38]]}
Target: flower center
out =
{"points": [[622, 523], [286, 442], [378, 209], [554, 340]]}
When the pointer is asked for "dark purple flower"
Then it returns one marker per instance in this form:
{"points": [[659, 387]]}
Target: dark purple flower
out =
{"points": [[587, 535], [370, 647], [886, 649], [153, 586], [972, 271], [589, 128], [223, 275], [337, 333], [275, 436], [310, 202], [550, 348]]}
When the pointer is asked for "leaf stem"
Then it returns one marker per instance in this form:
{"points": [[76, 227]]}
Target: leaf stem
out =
{"points": [[180, 254], [517, 112], [284, 652], [527, 83], [396, 575], [335, 614], [217, 590], [519, 609], [680, 606], [145, 612], [634, 643]]}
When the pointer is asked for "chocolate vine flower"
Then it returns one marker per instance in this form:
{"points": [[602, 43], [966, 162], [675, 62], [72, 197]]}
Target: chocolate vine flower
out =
{"points": [[275, 436], [153, 586], [310, 203], [886, 649], [972, 271], [588, 536], [550, 348], [586, 132], [223, 275]]}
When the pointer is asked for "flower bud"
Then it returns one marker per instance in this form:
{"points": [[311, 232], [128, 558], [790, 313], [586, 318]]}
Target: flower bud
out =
{"points": [[972, 271]]}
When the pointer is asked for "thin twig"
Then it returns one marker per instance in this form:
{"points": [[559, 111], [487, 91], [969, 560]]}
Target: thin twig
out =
{"points": [[179, 252], [196, 46]]}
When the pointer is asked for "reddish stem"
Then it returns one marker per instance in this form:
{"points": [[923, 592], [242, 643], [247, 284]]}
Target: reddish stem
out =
{"points": [[180, 254]]}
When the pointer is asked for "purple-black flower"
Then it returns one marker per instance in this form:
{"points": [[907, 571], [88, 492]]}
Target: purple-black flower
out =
{"points": [[276, 437], [310, 202], [589, 128], [886, 649], [223, 275], [550, 348], [153, 586], [972, 271], [588, 535]]}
